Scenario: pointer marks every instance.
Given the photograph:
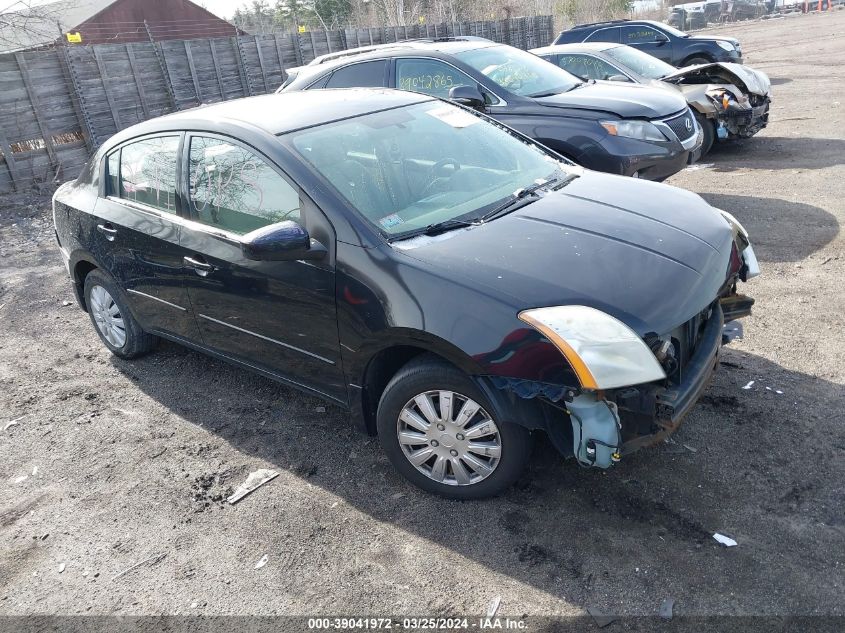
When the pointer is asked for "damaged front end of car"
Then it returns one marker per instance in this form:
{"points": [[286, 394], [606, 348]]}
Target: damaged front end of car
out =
{"points": [[627, 391], [735, 98]]}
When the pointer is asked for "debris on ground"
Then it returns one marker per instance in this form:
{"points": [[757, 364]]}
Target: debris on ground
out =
{"points": [[691, 449], [749, 385], [66, 303], [494, 606], [698, 166], [21, 479], [152, 560], [61, 567], [665, 611], [320, 409], [12, 423], [255, 480], [727, 541], [262, 561], [601, 618]]}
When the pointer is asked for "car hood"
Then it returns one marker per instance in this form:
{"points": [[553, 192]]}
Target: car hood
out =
{"points": [[624, 100], [651, 255], [716, 38], [746, 79]]}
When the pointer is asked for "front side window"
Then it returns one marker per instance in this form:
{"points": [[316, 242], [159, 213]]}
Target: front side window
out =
{"points": [[640, 35], [640, 62], [519, 72], [408, 168], [235, 190], [148, 172], [430, 76], [362, 75], [587, 67]]}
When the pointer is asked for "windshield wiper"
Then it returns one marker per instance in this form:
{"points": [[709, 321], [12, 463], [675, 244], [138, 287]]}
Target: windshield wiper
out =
{"points": [[519, 198], [433, 229]]}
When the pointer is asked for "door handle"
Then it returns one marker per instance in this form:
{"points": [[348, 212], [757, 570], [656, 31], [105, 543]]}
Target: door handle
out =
{"points": [[201, 267], [108, 230]]}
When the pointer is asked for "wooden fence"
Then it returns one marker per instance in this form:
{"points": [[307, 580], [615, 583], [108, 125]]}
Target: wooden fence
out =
{"points": [[57, 106]]}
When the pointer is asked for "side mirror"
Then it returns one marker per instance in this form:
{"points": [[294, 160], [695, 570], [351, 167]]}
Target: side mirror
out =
{"points": [[617, 78], [286, 241], [467, 95]]}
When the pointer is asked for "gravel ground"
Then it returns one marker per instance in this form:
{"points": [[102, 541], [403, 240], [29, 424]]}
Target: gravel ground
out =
{"points": [[114, 463]]}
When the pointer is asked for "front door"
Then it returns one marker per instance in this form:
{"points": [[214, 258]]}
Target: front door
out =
{"points": [[276, 316], [136, 224], [649, 40]]}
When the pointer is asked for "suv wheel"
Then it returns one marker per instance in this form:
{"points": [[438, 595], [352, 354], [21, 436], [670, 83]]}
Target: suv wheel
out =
{"points": [[694, 61], [442, 434], [110, 315]]}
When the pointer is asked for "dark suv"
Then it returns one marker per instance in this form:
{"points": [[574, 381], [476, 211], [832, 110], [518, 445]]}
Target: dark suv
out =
{"points": [[661, 40], [620, 129]]}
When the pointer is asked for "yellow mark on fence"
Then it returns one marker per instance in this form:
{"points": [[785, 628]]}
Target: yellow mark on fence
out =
{"points": [[74, 38]]}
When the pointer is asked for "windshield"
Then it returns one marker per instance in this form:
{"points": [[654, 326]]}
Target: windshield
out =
{"points": [[408, 168], [640, 62], [519, 72]]}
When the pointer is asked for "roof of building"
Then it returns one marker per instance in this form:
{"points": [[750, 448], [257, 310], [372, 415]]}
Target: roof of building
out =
{"points": [[41, 25]]}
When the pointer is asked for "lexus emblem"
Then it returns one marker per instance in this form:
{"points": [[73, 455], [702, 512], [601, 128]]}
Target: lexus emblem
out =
{"points": [[688, 123]]}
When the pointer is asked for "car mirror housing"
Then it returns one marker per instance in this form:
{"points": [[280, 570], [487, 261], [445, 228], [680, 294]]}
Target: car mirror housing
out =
{"points": [[285, 241], [467, 95], [617, 78]]}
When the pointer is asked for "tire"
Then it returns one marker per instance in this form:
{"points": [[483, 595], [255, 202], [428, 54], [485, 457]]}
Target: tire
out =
{"points": [[696, 59], [506, 448], [709, 134], [112, 320]]}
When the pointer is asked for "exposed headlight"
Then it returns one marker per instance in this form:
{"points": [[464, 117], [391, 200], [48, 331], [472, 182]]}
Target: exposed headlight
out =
{"points": [[725, 45], [747, 253], [604, 352], [642, 130]]}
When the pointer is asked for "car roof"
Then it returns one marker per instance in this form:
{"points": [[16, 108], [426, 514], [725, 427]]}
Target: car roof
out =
{"points": [[280, 113], [597, 47], [593, 25], [450, 46], [445, 44]]}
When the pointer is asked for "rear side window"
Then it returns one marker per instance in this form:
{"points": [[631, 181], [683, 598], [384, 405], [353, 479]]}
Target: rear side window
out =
{"points": [[605, 35], [235, 190], [148, 172], [363, 75], [113, 175], [429, 76]]}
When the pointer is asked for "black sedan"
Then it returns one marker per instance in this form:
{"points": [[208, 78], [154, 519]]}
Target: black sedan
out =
{"points": [[452, 283], [628, 130]]}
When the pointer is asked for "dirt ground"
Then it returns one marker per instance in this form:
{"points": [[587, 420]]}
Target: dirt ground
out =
{"points": [[114, 463]]}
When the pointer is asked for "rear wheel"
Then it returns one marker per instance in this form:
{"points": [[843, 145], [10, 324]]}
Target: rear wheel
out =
{"points": [[112, 320], [709, 131], [440, 431]]}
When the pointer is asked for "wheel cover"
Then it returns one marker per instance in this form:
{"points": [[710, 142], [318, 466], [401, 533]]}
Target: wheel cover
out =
{"points": [[449, 438], [107, 316]]}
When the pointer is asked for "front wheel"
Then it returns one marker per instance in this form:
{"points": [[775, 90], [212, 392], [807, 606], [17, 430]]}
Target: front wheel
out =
{"points": [[440, 431], [110, 315], [709, 130], [695, 61]]}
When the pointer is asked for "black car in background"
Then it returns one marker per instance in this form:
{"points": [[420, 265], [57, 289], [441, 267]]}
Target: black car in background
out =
{"points": [[660, 40], [627, 130], [453, 285]]}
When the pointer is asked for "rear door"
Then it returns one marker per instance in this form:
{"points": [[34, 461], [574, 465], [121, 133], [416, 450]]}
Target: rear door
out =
{"points": [[277, 316], [137, 223]]}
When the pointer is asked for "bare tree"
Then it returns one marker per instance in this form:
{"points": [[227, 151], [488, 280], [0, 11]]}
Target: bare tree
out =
{"points": [[23, 25]]}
